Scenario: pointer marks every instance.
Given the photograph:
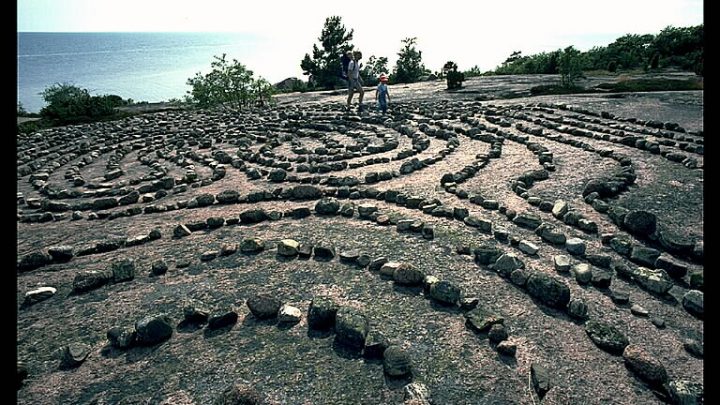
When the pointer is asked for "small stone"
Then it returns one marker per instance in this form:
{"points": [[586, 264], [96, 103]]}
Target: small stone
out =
{"points": [[540, 379], [40, 294], [416, 394], [159, 267], [288, 247], [507, 348], [289, 314], [562, 263], [582, 272], [497, 333], [195, 312], [619, 297], [375, 345], [91, 279], [575, 246], [692, 301], [528, 247], [322, 313], [601, 279], [637, 310], [396, 362], [658, 322], [181, 231], [606, 336], [228, 249], [74, 355], [324, 252], [684, 392], [407, 274], [445, 292], [123, 270], [208, 255], [377, 263], [481, 320], [577, 309], [61, 253], [519, 277], [122, 338], [264, 306], [222, 319], [252, 245], [153, 329], [351, 328]]}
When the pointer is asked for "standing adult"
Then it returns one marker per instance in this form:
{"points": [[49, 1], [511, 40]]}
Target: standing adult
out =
{"points": [[354, 80]]}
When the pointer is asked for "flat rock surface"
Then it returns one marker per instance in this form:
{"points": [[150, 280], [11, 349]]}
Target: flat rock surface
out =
{"points": [[484, 145]]}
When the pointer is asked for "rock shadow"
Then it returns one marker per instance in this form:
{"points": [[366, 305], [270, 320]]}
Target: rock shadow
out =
{"points": [[252, 321], [320, 333], [407, 290], [396, 383], [344, 351], [186, 326], [285, 259], [286, 325], [448, 309], [110, 352], [211, 333]]}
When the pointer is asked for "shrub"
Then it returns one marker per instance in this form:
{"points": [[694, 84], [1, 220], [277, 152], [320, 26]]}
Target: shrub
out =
{"points": [[612, 66], [69, 104], [453, 77]]}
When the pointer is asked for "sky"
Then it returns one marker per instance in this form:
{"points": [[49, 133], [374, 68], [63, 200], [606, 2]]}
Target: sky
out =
{"points": [[479, 32]]}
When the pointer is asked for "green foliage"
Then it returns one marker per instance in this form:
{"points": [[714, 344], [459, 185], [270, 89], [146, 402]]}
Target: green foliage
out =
{"points": [[680, 48], [570, 66], [228, 85], [473, 72], [409, 67], [323, 67], [454, 78], [372, 70], [655, 61], [612, 66], [68, 104]]}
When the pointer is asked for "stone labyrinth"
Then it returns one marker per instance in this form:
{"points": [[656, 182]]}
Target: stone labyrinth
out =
{"points": [[452, 252]]}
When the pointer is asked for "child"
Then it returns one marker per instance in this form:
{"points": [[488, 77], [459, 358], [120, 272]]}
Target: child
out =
{"points": [[382, 96]]}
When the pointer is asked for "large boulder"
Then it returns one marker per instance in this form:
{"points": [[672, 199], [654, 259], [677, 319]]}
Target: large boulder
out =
{"points": [[644, 365], [640, 222], [606, 336], [549, 290], [351, 328]]}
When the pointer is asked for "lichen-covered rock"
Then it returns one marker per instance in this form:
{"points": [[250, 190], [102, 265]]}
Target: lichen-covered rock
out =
{"points": [[644, 365], [351, 328], [396, 362], [606, 336], [549, 290]]}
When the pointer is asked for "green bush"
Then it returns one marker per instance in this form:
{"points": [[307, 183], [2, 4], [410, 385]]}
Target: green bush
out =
{"points": [[68, 104], [453, 77], [409, 67], [612, 66], [229, 86]]}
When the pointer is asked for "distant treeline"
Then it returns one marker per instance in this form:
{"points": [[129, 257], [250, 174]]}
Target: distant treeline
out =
{"points": [[680, 48]]}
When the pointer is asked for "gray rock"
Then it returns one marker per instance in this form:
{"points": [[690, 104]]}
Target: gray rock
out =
{"points": [[123, 270], [322, 313], [33, 261], [375, 345], [407, 274], [673, 267], [697, 280], [159, 267], [644, 365], [481, 320], [644, 256], [519, 277], [575, 246], [428, 232], [549, 290], [487, 254], [562, 263], [582, 273], [553, 235], [692, 301], [497, 333], [252, 245], [195, 312], [209, 255], [506, 263], [528, 247], [396, 362], [377, 263], [527, 220], [288, 247], [656, 281], [74, 355], [559, 209], [577, 309], [416, 394], [121, 338], [221, 319], [684, 392], [365, 210], [507, 348], [324, 252], [305, 192], [600, 278], [619, 297], [606, 336], [289, 314], [445, 292], [153, 329], [540, 378], [598, 260], [351, 328], [215, 222], [637, 310], [228, 249], [469, 303], [61, 253], [640, 222], [181, 231], [264, 306], [327, 206], [90, 280], [253, 216], [39, 294], [228, 197]]}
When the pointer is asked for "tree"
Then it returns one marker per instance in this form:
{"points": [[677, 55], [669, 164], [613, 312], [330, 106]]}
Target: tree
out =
{"points": [[570, 66], [324, 67], [228, 85], [454, 78], [473, 71], [409, 67], [71, 104], [373, 68]]}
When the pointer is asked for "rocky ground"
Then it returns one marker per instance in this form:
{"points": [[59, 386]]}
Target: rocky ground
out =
{"points": [[458, 250]]}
